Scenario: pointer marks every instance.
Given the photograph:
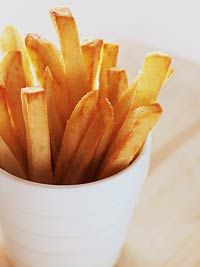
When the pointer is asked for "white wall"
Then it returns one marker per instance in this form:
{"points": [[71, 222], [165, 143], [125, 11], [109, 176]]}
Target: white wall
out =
{"points": [[171, 25]]}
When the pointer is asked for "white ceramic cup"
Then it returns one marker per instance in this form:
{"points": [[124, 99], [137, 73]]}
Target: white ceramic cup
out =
{"points": [[70, 226]]}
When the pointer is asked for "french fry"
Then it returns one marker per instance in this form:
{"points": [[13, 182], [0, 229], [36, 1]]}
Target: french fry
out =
{"points": [[12, 79], [12, 40], [145, 88], [130, 139], [87, 152], [117, 84], [91, 51], [55, 125], [151, 78], [109, 60], [108, 124], [71, 50], [37, 133], [122, 107], [8, 162], [75, 129], [43, 53], [6, 130]]}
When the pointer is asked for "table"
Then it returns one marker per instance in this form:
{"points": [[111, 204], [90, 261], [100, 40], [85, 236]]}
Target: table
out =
{"points": [[165, 230]]}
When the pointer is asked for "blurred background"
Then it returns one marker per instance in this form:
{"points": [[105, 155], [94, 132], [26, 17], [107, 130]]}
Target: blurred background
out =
{"points": [[169, 25]]}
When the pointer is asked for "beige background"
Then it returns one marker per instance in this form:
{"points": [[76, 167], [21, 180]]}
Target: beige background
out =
{"points": [[165, 230]]}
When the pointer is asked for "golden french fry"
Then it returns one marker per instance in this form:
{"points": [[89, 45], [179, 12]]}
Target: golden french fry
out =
{"points": [[117, 84], [75, 129], [91, 141], [44, 54], [151, 78], [71, 50], [12, 40], [55, 125], [6, 130], [8, 162], [130, 139], [109, 60], [122, 107], [108, 124], [12, 79], [91, 51], [37, 133]]}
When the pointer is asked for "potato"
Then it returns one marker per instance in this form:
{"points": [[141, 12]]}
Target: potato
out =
{"points": [[6, 130], [75, 129], [117, 84], [44, 54], [12, 78], [8, 162], [108, 123], [66, 28], [55, 125], [91, 51], [151, 78], [92, 145], [109, 60], [11, 40], [130, 138], [122, 107], [37, 133]]}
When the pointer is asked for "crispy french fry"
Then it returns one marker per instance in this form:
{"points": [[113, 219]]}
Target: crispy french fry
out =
{"points": [[145, 88], [87, 150], [12, 40], [75, 129], [117, 84], [12, 79], [122, 107], [151, 78], [91, 51], [130, 139], [71, 50], [43, 53], [55, 126], [108, 124], [37, 133], [8, 162], [109, 60], [6, 130]]}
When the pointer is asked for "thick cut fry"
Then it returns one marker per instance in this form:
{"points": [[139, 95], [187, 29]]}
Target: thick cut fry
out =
{"points": [[8, 162], [37, 132], [122, 107], [151, 78], [71, 50], [91, 51], [109, 60], [117, 84], [75, 129], [44, 54], [12, 79], [89, 145], [55, 126], [108, 124], [6, 130], [12, 40], [130, 139]]}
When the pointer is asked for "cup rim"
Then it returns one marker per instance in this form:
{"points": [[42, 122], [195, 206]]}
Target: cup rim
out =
{"points": [[144, 149]]}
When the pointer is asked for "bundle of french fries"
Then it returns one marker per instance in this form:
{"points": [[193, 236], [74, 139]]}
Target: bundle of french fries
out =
{"points": [[80, 120]]}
